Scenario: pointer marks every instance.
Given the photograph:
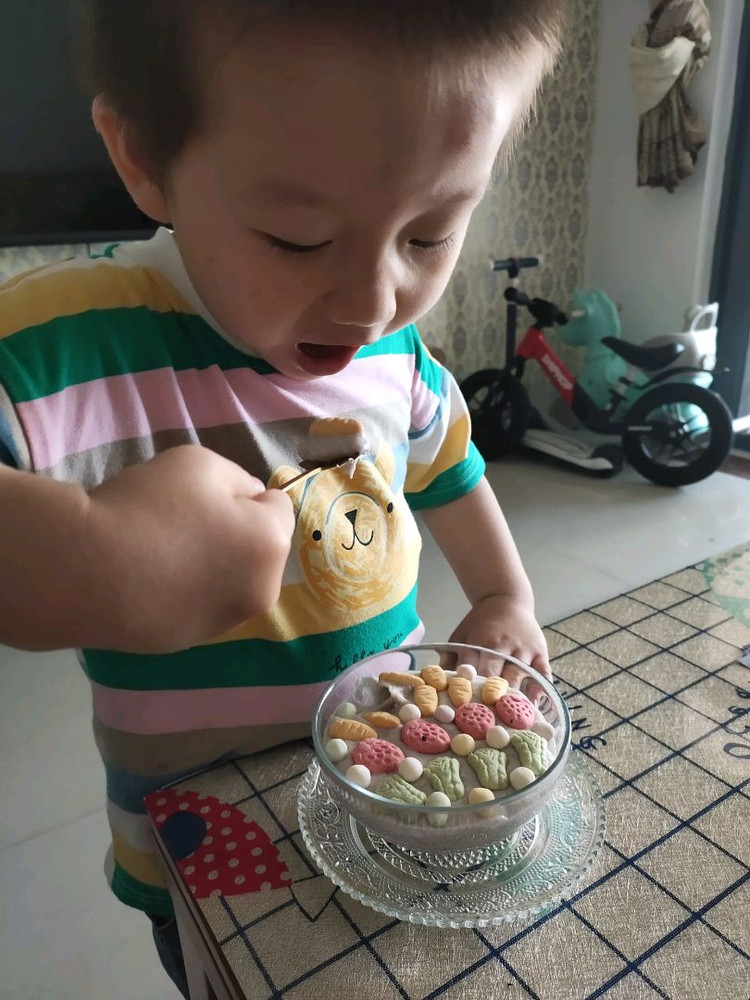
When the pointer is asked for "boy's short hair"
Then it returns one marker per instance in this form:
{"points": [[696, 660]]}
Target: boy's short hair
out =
{"points": [[144, 57]]}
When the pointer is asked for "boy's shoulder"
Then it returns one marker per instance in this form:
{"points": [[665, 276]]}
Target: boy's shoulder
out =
{"points": [[126, 277]]}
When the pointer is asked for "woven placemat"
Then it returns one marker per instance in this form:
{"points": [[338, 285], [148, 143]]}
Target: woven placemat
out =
{"points": [[661, 708]]}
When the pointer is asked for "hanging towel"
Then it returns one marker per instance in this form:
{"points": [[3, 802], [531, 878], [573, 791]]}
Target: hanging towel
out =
{"points": [[664, 56]]}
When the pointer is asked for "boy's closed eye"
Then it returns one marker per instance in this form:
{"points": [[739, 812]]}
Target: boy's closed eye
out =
{"points": [[286, 246]]}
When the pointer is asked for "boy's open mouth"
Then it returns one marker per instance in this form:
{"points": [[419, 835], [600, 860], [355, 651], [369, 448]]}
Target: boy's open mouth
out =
{"points": [[324, 359]]}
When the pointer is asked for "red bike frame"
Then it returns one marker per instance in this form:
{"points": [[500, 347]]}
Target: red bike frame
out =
{"points": [[534, 346]]}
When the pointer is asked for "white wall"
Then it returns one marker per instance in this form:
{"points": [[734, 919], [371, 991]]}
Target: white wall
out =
{"points": [[650, 250]]}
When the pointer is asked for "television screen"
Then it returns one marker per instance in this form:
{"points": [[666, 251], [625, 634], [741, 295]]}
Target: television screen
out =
{"points": [[56, 182]]}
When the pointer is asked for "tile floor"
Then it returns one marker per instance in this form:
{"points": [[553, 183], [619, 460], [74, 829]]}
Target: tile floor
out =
{"points": [[62, 936]]}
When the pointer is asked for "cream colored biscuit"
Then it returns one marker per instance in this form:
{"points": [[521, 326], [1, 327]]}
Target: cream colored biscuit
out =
{"points": [[383, 720], [393, 677], [493, 688], [328, 426], [459, 690], [435, 676], [426, 698], [350, 729]]}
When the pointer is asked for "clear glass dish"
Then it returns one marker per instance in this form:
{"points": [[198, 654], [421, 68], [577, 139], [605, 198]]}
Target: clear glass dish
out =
{"points": [[517, 879], [466, 827]]}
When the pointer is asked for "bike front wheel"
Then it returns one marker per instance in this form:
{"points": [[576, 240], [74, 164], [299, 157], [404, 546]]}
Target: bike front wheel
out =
{"points": [[499, 409], [677, 434]]}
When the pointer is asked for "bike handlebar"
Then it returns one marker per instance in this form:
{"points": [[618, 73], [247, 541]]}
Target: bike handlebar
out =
{"points": [[514, 265], [545, 313]]}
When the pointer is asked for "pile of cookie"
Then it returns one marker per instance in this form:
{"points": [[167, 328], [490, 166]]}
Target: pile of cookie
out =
{"points": [[440, 737]]}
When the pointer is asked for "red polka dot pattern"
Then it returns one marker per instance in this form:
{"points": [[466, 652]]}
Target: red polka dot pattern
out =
{"points": [[236, 855]]}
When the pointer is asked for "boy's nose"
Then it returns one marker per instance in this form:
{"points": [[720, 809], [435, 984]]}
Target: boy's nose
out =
{"points": [[364, 298]]}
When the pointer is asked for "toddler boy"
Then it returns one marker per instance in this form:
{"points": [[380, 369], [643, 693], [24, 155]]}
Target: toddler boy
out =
{"points": [[314, 167]]}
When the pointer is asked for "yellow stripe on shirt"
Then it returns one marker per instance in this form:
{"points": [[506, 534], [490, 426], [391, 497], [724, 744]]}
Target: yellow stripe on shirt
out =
{"points": [[452, 451], [76, 286], [141, 865]]}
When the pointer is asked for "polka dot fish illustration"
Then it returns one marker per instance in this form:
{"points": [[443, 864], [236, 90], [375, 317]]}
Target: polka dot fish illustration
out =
{"points": [[218, 850]]}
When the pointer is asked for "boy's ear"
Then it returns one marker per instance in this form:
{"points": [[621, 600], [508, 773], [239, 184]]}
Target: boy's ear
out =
{"points": [[129, 161]]}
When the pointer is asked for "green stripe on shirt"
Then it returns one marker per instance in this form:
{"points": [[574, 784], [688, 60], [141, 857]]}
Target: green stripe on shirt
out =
{"points": [[104, 343], [134, 893], [255, 662], [101, 344], [451, 484]]}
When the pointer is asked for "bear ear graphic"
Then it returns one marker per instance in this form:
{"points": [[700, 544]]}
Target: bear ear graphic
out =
{"points": [[282, 475]]}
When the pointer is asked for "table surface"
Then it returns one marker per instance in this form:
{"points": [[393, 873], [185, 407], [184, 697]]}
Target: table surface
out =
{"points": [[660, 703]]}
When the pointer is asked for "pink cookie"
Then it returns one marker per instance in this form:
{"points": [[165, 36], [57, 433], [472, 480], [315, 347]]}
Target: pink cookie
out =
{"points": [[515, 710], [474, 719], [425, 737], [379, 756]]}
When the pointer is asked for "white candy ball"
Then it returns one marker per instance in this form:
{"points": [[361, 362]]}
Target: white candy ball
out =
{"points": [[336, 750], [481, 795], [543, 728], [466, 670], [410, 768], [360, 775], [520, 777], [438, 799], [497, 737], [408, 712], [346, 710], [462, 744], [444, 713]]}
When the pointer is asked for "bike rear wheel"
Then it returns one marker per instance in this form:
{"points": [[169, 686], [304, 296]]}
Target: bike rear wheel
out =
{"points": [[677, 434], [499, 409]]}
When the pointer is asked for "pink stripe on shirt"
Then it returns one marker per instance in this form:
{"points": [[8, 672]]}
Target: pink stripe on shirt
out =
{"points": [[103, 411], [424, 403], [153, 713], [149, 713]]}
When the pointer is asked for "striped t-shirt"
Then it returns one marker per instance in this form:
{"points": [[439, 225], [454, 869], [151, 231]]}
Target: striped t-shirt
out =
{"points": [[105, 362]]}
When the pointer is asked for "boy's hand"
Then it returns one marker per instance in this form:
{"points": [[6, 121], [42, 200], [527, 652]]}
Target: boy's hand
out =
{"points": [[191, 545], [509, 626]]}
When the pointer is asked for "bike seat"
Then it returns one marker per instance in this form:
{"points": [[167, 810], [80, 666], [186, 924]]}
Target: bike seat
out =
{"points": [[646, 358]]}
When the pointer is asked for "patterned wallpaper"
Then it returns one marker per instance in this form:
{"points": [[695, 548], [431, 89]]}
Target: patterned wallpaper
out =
{"points": [[539, 207]]}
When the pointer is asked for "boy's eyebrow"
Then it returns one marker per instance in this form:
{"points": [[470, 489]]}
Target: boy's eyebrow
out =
{"points": [[289, 193]]}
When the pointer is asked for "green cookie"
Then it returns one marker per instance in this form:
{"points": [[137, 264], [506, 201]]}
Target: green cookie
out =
{"points": [[490, 767], [444, 774], [395, 787], [531, 749]]}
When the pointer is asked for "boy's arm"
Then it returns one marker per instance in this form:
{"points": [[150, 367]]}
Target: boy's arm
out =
{"points": [[162, 556], [475, 539]]}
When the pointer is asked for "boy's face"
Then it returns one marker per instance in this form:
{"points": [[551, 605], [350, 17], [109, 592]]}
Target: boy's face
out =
{"points": [[325, 203]]}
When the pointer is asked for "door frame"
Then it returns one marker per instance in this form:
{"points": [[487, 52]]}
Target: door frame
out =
{"points": [[730, 275]]}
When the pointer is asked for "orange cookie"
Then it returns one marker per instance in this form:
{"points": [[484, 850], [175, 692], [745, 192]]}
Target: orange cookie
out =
{"points": [[350, 729], [426, 699], [383, 720], [494, 688], [434, 675], [459, 690], [393, 677]]}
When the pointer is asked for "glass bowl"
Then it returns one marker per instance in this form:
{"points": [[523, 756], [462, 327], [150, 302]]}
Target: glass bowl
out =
{"points": [[459, 827]]}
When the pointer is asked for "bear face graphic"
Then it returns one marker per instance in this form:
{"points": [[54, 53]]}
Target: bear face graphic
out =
{"points": [[350, 533]]}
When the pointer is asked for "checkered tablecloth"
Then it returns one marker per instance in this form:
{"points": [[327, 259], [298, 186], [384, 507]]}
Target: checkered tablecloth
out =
{"points": [[661, 708]]}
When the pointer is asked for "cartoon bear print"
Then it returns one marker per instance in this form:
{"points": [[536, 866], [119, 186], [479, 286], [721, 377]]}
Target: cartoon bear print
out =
{"points": [[355, 543]]}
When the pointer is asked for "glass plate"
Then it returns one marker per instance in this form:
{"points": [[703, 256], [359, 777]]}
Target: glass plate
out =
{"points": [[519, 878]]}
